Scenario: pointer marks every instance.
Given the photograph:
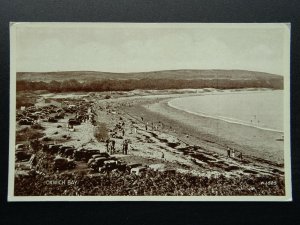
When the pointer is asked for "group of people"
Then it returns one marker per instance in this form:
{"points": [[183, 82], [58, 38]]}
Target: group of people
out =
{"points": [[154, 126], [111, 146], [232, 153]]}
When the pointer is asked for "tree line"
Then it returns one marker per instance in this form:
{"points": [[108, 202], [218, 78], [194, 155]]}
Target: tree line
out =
{"points": [[146, 84]]}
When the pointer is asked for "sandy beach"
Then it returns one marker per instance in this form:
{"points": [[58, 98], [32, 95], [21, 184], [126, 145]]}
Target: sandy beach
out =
{"points": [[159, 126], [248, 140], [215, 135]]}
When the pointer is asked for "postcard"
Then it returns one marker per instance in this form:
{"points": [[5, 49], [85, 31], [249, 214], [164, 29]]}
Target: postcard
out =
{"points": [[149, 112]]}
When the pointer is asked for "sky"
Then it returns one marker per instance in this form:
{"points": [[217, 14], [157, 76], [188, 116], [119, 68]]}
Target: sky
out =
{"points": [[115, 47]]}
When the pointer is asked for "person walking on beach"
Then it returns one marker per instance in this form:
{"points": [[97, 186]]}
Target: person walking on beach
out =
{"points": [[131, 128], [113, 143], [163, 156], [233, 153], [107, 145], [228, 152], [125, 147], [110, 148], [241, 155]]}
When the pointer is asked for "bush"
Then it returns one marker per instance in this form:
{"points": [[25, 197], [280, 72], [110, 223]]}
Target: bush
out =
{"points": [[101, 132], [25, 99], [47, 139], [24, 102], [38, 127], [27, 134]]}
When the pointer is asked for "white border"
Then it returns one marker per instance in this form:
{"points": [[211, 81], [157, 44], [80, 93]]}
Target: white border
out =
{"points": [[287, 151]]}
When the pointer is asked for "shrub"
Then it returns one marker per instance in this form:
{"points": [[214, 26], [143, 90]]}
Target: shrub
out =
{"points": [[25, 99], [47, 139], [101, 132], [38, 127], [27, 134]]}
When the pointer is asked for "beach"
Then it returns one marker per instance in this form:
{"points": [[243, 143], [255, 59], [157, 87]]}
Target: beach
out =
{"points": [[212, 137], [163, 138], [209, 131], [215, 135]]}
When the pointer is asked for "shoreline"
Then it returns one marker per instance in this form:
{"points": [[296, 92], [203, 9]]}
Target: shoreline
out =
{"points": [[225, 119], [214, 134]]}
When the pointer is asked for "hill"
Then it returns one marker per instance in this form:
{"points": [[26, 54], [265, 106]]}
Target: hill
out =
{"points": [[167, 74], [159, 80]]}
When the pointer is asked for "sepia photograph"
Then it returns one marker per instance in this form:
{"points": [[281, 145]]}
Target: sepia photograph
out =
{"points": [[149, 112]]}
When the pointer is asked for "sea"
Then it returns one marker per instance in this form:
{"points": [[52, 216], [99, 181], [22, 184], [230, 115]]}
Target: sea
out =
{"points": [[260, 109]]}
